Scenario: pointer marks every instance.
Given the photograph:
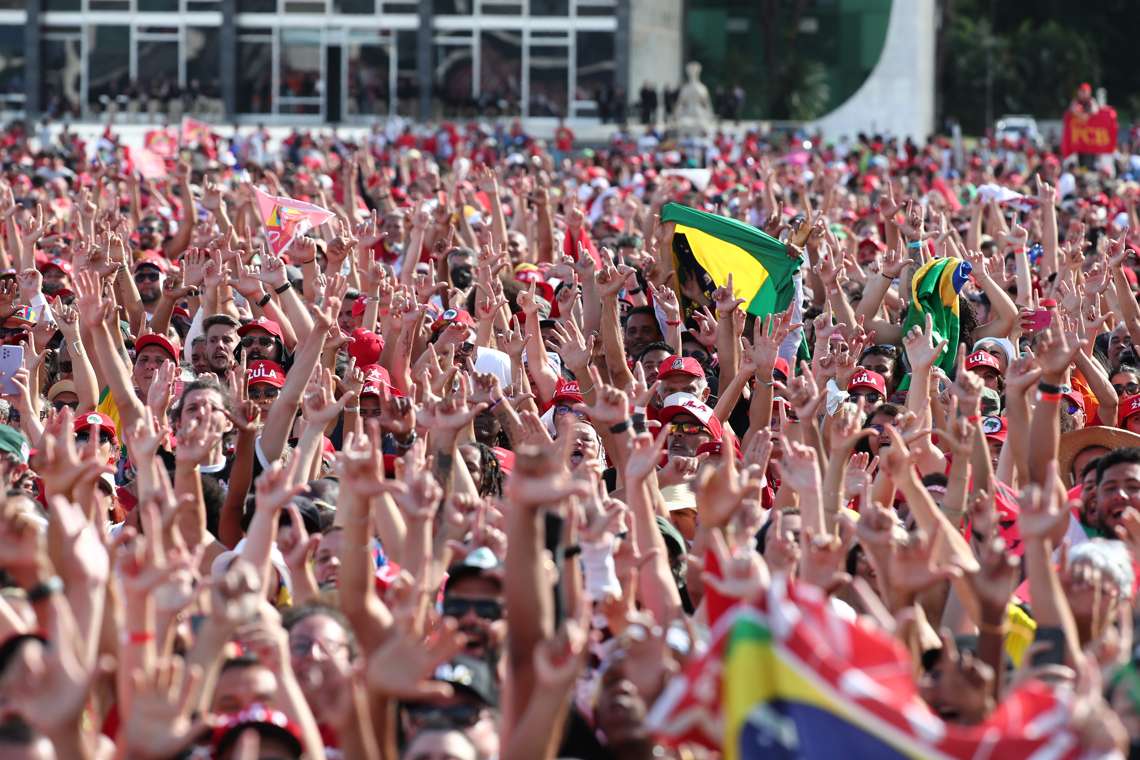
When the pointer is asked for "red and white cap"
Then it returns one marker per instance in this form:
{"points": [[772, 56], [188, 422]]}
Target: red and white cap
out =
{"points": [[261, 323], [1129, 405], [154, 339], [865, 378], [95, 420], [983, 359], [687, 403], [267, 372], [568, 392], [680, 365], [376, 379], [995, 428]]}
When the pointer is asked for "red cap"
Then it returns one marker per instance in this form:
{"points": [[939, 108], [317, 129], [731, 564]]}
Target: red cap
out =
{"points": [[1129, 405], [1085, 87], [365, 346], [865, 378], [261, 323], [260, 718], [62, 265], [781, 366], [568, 392], [265, 371], [358, 306], [995, 428], [506, 459], [376, 378], [453, 316], [680, 365], [1076, 397], [875, 243], [154, 260], [687, 403], [95, 419], [154, 339], [982, 359]]}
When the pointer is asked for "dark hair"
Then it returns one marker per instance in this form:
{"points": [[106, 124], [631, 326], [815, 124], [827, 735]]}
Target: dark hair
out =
{"points": [[646, 310], [1090, 466], [213, 497], [295, 615], [219, 319], [241, 662], [491, 484], [657, 345], [762, 534], [1129, 455]]}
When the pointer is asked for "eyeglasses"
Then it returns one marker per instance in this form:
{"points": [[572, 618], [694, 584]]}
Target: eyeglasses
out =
{"points": [[688, 428], [883, 349], [265, 341], [149, 276], [488, 609], [1072, 407], [83, 436], [303, 647], [871, 398], [562, 409], [1126, 389], [59, 406], [261, 392], [455, 716]]}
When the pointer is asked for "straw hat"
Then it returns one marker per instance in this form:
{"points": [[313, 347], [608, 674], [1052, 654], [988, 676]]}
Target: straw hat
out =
{"points": [[1076, 441]]}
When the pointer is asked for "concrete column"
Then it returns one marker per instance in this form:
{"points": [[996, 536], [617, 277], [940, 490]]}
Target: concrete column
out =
{"points": [[423, 57], [32, 104], [655, 45], [227, 57]]}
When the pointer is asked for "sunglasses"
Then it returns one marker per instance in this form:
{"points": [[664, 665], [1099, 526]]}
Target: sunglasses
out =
{"points": [[12, 332], [263, 392], [59, 406], [487, 609], [870, 398], [455, 716], [1126, 389], [883, 349], [1073, 408], [562, 409], [83, 436], [150, 276], [265, 341], [688, 428]]}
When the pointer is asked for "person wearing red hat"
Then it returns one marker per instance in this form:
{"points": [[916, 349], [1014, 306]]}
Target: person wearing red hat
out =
{"points": [[1129, 414], [986, 366], [691, 422], [682, 374], [151, 352], [261, 339], [149, 274], [365, 346], [264, 381], [98, 424], [56, 274], [869, 386]]}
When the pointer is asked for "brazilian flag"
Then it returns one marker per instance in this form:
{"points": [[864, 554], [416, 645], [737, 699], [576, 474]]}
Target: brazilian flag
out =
{"points": [[934, 290], [709, 247]]}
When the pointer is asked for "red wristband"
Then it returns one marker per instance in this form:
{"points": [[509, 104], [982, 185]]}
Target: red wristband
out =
{"points": [[672, 324], [1054, 397], [140, 637]]}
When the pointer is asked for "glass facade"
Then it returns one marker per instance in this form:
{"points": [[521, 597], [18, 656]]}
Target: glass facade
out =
{"points": [[799, 63], [312, 60]]}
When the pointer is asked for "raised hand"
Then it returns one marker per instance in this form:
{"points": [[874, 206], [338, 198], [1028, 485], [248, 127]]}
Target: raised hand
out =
{"points": [[159, 723], [402, 667], [921, 348]]}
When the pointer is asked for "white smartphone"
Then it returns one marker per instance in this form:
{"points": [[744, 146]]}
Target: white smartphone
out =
{"points": [[11, 359]]}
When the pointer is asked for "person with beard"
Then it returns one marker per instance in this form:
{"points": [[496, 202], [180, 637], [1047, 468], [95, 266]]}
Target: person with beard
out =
{"points": [[221, 332], [56, 275], [149, 274], [473, 597], [261, 340], [461, 267]]}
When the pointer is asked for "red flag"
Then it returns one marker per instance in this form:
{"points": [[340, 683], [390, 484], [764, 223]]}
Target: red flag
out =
{"points": [[285, 219], [196, 132], [149, 164], [161, 142], [1089, 134]]}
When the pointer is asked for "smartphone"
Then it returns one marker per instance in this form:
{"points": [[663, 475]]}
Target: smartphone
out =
{"points": [[1052, 651], [1037, 321], [11, 359]]}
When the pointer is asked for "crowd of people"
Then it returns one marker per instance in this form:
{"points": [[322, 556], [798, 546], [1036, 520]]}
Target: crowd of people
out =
{"points": [[472, 471]]}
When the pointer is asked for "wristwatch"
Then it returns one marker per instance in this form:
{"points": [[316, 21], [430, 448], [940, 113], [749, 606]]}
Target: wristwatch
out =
{"points": [[45, 589]]}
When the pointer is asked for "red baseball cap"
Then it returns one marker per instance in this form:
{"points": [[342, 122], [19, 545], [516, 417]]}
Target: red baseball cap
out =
{"points": [[97, 420], [865, 378], [62, 265], [1129, 405], [875, 243], [568, 392], [782, 367], [983, 359], [261, 323], [1075, 396], [680, 365], [687, 403], [376, 379], [154, 339], [358, 306], [153, 260], [265, 371], [995, 428], [365, 346], [453, 316]]}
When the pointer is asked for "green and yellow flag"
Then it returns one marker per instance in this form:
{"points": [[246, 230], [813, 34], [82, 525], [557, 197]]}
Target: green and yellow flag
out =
{"points": [[934, 290], [707, 247]]}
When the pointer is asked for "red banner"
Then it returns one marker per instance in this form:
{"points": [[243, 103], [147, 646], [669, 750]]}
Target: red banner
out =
{"points": [[285, 219], [1089, 134]]}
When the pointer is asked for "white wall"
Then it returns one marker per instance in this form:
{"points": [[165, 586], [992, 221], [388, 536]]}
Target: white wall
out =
{"points": [[898, 97], [655, 28]]}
